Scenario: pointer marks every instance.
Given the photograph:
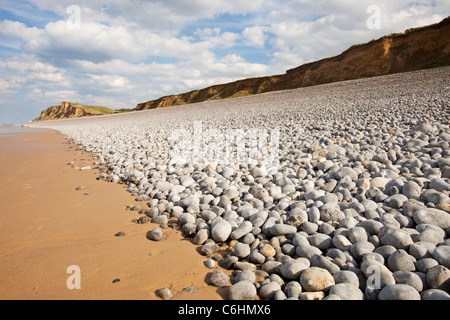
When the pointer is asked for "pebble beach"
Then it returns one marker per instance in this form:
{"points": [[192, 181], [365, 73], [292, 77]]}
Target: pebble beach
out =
{"points": [[341, 191]]}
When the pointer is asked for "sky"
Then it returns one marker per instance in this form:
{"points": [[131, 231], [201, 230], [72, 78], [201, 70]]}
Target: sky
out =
{"points": [[123, 52]]}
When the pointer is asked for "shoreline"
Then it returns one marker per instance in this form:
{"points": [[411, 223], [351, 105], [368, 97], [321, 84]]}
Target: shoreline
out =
{"points": [[47, 226]]}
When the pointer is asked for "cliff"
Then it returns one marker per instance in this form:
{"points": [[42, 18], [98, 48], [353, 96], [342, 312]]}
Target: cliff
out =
{"points": [[71, 110], [415, 49]]}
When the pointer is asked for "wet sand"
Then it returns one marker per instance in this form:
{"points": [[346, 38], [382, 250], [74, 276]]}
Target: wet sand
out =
{"points": [[47, 226]]}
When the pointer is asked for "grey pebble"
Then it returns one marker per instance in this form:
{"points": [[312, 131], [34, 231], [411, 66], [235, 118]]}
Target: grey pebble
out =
{"points": [[242, 290], [210, 263], [398, 292], [156, 234], [164, 293], [219, 278], [347, 291], [442, 255]]}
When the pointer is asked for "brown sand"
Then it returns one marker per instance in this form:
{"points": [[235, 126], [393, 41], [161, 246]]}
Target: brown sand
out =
{"points": [[46, 226]]}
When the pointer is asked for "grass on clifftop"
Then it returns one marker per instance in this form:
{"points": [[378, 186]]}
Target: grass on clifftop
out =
{"points": [[98, 109]]}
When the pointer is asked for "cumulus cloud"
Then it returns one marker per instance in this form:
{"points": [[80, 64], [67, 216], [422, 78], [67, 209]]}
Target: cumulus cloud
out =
{"points": [[255, 36], [50, 96], [26, 72], [160, 15], [214, 37]]}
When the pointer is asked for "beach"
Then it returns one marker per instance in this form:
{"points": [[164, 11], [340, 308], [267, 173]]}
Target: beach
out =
{"points": [[46, 226], [333, 192]]}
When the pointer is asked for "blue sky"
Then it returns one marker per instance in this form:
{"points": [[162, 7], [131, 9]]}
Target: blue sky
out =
{"points": [[125, 52]]}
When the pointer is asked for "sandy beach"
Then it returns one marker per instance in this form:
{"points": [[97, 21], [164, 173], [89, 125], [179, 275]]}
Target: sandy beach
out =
{"points": [[362, 179], [46, 226]]}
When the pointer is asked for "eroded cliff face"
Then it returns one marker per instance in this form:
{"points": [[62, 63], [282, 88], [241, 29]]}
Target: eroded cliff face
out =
{"points": [[222, 91], [415, 49], [65, 110], [71, 110]]}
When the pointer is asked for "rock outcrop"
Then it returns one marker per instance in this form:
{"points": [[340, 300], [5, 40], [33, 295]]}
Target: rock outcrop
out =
{"points": [[71, 110], [415, 49]]}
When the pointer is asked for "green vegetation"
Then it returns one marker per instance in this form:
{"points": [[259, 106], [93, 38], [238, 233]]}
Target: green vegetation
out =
{"points": [[98, 109]]}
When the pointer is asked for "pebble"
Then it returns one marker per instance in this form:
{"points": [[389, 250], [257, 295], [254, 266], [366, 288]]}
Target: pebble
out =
{"points": [[439, 184], [345, 276], [268, 290], [411, 190], [341, 242], [268, 251], [292, 270], [120, 234], [398, 292], [324, 263], [432, 216], [282, 229], [347, 291], [247, 275], [442, 255], [209, 249], [396, 238], [423, 265], [242, 290], [375, 268], [435, 294], [164, 293], [243, 229], [438, 277], [320, 241], [156, 234], [220, 230], [410, 278], [319, 295], [210, 263], [201, 236], [219, 278], [379, 182], [316, 279], [307, 251], [190, 289], [400, 260], [242, 250]]}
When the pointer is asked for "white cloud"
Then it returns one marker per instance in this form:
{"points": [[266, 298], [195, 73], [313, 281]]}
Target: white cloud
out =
{"points": [[110, 83], [26, 71], [254, 36], [19, 30], [48, 97], [215, 38], [159, 15], [5, 87]]}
